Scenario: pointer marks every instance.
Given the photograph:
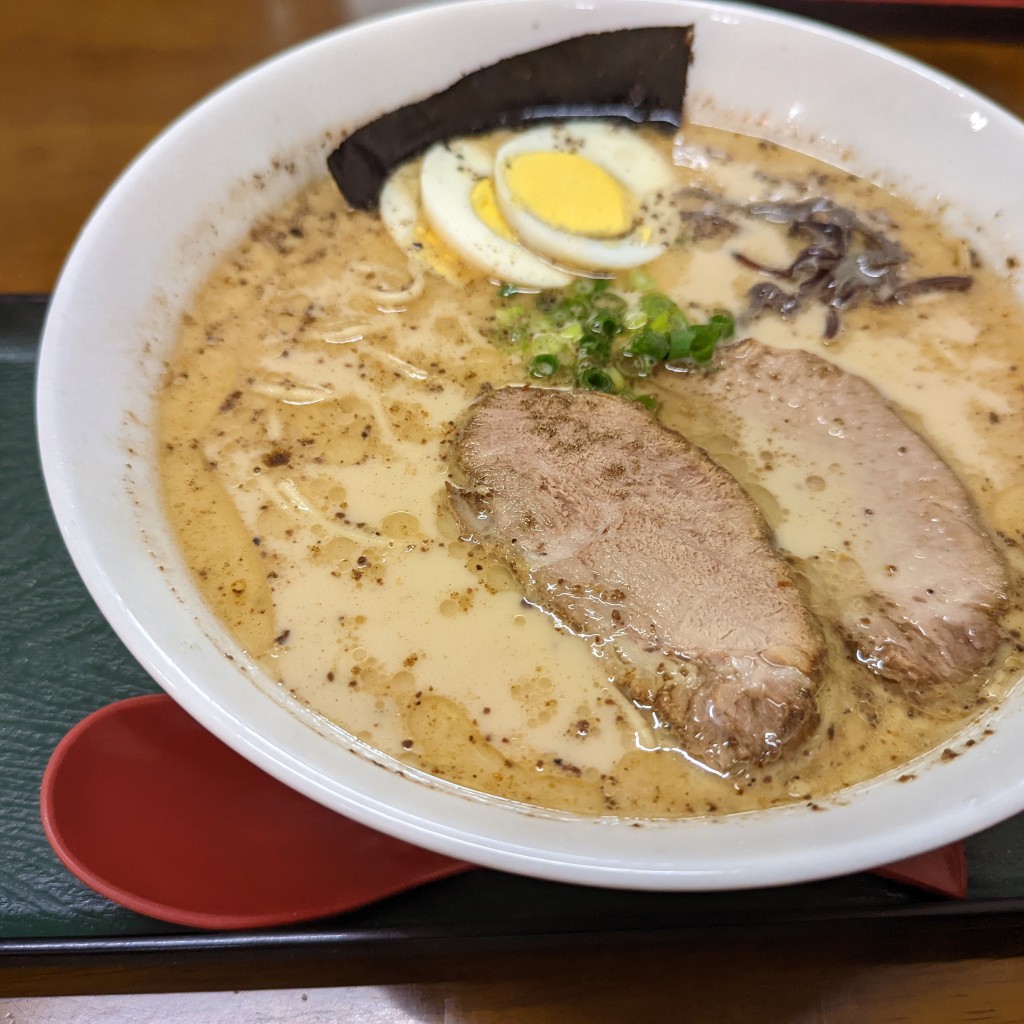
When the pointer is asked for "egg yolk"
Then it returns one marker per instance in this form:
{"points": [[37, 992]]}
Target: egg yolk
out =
{"points": [[568, 192], [485, 205], [437, 255]]}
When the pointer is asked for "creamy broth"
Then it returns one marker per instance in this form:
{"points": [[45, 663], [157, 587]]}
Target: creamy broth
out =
{"points": [[304, 426]]}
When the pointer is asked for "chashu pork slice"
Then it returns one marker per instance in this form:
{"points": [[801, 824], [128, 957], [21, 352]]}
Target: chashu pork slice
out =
{"points": [[913, 580], [625, 531]]}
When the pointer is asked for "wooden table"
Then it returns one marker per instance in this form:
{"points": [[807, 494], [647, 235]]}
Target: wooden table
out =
{"points": [[83, 86]]}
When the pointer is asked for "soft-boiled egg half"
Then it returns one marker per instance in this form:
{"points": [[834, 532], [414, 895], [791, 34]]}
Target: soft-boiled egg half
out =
{"points": [[551, 203]]}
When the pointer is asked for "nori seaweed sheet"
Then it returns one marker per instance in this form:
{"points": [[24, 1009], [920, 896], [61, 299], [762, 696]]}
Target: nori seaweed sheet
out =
{"points": [[636, 75]]}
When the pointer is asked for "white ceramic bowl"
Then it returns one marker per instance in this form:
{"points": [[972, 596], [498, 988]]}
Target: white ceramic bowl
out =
{"points": [[193, 193]]}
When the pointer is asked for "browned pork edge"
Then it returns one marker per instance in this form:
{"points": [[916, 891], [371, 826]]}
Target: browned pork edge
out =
{"points": [[628, 533]]}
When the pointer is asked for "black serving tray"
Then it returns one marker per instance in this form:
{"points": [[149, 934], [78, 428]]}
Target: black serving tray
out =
{"points": [[59, 661]]}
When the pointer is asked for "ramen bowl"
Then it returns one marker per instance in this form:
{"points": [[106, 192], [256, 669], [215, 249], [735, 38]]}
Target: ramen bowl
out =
{"points": [[197, 189]]}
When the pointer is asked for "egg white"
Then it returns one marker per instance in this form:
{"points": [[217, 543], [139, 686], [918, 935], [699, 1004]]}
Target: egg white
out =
{"points": [[450, 171], [399, 205], [401, 212]]}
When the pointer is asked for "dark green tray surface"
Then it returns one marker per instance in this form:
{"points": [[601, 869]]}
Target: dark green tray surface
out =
{"points": [[59, 661]]}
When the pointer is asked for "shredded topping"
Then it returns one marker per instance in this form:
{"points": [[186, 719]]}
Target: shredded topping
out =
{"points": [[844, 263]]}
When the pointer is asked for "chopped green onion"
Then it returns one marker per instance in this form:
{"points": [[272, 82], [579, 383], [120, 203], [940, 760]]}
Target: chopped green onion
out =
{"points": [[571, 309], [593, 378], [544, 365], [610, 302], [547, 342], [596, 347], [654, 304], [641, 281], [508, 315], [724, 323], [590, 335], [649, 343], [680, 342], [604, 323], [586, 287], [669, 320]]}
